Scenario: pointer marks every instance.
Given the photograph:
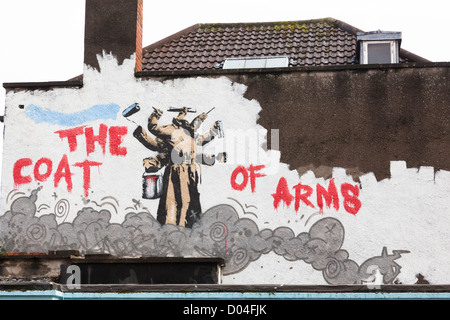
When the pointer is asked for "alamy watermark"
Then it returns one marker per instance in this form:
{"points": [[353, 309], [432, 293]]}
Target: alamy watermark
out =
{"points": [[73, 281], [239, 146]]}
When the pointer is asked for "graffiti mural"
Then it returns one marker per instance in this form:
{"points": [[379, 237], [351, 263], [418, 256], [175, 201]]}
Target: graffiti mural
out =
{"points": [[177, 145], [220, 232], [119, 166]]}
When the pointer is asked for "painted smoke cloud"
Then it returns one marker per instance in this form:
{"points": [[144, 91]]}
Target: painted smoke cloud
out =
{"points": [[220, 233]]}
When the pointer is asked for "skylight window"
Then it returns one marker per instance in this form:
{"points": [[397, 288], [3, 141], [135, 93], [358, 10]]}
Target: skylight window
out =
{"points": [[256, 63]]}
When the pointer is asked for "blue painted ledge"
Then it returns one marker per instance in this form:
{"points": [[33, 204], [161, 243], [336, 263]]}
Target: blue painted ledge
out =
{"points": [[59, 295]]}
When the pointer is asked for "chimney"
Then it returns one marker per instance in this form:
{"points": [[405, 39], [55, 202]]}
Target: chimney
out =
{"points": [[113, 26]]}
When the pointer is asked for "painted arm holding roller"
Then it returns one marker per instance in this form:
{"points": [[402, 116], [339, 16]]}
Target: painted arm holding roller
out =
{"points": [[151, 164], [140, 134]]}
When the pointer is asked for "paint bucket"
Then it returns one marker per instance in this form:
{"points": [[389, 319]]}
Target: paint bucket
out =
{"points": [[151, 186]]}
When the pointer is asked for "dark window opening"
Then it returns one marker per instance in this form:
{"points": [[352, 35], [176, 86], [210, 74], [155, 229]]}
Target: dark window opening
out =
{"points": [[379, 53]]}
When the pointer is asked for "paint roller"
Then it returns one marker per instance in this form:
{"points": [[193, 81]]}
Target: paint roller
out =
{"points": [[130, 111]]}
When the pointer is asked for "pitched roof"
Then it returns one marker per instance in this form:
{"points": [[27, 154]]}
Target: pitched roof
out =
{"points": [[321, 42]]}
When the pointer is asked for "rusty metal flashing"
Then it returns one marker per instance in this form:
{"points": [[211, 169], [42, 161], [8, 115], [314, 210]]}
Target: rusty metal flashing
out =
{"points": [[218, 288], [21, 268], [72, 256], [75, 257], [108, 259], [42, 85], [27, 285], [51, 254], [253, 288]]}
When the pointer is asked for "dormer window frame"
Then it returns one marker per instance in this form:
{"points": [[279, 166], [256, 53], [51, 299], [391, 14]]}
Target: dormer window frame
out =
{"points": [[394, 51], [392, 38]]}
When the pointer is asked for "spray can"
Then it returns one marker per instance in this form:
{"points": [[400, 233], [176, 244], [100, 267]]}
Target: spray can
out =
{"points": [[220, 131]]}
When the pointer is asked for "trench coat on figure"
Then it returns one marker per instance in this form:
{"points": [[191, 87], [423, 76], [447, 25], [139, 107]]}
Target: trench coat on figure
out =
{"points": [[176, 145]]}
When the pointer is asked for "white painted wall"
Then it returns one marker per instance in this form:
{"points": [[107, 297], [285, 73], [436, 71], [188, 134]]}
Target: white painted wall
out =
{"points": [[408, 211]]}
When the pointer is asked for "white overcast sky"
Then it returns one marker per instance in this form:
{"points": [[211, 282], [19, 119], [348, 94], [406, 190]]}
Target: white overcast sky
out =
{"points": [[42, 40]]}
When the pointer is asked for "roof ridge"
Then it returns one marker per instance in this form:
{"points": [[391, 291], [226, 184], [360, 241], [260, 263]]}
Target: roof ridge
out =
{"points": [[172, 37], [199, 26], [283, 22]]}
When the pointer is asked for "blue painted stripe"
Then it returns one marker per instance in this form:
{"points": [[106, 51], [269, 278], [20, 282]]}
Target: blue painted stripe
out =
{"points": [[57, 295], [97, 112], [32, 295]]}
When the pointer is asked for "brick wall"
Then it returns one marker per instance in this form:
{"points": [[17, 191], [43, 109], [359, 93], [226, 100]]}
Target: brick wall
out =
{"points": [[139, 26], [113, 26]]}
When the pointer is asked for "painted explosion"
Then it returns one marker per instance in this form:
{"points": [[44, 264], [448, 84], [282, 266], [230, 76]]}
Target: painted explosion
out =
{"points": [[221, 232]]}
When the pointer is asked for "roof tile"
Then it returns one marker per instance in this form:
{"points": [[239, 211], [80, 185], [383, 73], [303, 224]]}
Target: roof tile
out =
{"points": [[205, 46]]}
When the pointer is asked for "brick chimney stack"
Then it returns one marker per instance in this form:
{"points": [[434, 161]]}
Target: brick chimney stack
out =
{"points": [[113, 26]]}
